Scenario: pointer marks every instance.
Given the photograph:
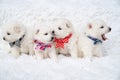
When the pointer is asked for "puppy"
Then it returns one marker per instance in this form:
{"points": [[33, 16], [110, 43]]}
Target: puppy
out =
{"points": [[65, 38], [90, 41], [19, 39], [43, 44]]}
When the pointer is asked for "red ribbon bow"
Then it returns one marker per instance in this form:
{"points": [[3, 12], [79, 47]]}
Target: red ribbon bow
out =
{"points": [[61, 41]]}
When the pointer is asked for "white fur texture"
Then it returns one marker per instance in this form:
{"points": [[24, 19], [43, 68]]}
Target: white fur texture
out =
{"points": [[13, 32], [62, 28], [85, 45], [44, 35]]}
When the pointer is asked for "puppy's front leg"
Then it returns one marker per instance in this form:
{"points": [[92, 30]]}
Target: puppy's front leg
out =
{"points": [[73, 51], [98, 52], [15, 52], [31, 50], [87, 53], [39, 55], [53, 54]]}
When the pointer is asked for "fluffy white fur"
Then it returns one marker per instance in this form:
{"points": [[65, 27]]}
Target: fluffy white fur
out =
{"points": [[44, 35], [61, 29], [13, 32], [96, 29]]}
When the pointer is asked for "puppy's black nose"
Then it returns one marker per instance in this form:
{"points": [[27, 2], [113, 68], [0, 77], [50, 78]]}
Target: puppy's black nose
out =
{"points": [[3, 38], [53, 32], [110, 29], [52, 38]]}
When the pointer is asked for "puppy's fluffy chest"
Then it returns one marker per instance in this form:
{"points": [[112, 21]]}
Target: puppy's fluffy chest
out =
{"points": [[63, 50]]}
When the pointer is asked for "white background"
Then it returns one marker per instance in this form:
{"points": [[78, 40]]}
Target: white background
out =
{"points": [[30, 12]]}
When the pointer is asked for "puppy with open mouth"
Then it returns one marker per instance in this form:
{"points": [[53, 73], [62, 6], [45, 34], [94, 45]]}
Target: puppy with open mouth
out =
{"points": [[19, 39], [43, 44], [90, 40], [65, 38]]}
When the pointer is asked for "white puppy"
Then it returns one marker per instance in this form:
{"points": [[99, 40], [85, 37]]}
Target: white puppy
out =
{"points": [[65, 38], [19, 39], [43, 44], [90, 40]]}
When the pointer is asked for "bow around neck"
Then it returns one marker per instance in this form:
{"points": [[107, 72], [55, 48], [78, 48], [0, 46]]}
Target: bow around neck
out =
{"points": [[17, 42], [41, 46], [95, 40], [61, 41]]}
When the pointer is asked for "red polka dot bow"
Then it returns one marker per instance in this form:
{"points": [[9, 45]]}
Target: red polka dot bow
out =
{"points": [[59, 43]]}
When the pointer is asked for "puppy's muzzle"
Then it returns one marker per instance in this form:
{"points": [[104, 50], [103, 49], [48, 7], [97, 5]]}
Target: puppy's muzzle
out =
{"points": [[3, 38], [110, 29]]}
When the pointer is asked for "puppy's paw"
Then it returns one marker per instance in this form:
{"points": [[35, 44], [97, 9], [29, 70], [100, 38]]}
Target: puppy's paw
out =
{"points": [[39, 57], [88, 59], [16, 54]]}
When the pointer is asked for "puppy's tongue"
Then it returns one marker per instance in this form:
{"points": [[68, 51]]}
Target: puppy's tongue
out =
{"points": [[103, 37]]}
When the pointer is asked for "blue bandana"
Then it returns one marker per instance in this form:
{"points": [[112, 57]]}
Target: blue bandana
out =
{"points": [[95, 40]]}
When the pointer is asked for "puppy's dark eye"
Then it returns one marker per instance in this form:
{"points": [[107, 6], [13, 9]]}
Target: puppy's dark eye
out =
{"points": [[8, 33], [102, 27], [46, 34], [59, 28]]}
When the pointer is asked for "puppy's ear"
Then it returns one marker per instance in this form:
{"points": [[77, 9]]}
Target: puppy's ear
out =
{"points": [[17, 29], [89, 26], [37, 31], [68, 24]]}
